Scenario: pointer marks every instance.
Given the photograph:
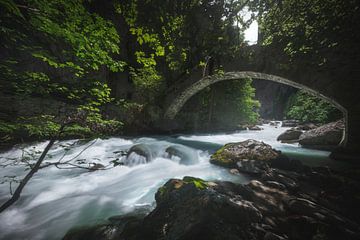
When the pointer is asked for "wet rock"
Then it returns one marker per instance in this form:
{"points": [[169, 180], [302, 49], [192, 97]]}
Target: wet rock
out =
{"points": [[290, 123], [301, 227], [273, 236], [186, 155], [255, 128], [96, 166], [117, 227], [252, 166], [234, 171], [274, 176], [274, 123], [249, 127], [263, 121], [328, 135], [302, 206], [99, 232], [290, 136], [285, 163], [194, 209], [306, 126], [249, 156], [277, 185], [140, 150]]}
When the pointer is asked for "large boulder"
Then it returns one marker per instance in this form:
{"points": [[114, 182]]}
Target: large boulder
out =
{"points": [[192, 208], [249, 156], [326, 136], [290, 136]]}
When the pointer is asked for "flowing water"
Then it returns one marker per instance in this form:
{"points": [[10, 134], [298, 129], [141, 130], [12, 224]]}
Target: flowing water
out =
{"points": [[57, 199]]}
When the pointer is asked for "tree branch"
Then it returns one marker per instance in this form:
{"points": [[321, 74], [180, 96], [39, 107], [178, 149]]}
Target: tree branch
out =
{"points": [[26, 179]]}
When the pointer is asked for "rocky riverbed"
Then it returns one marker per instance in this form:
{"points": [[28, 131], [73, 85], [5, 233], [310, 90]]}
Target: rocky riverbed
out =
{"points": [[326, 137], [285, 200]]}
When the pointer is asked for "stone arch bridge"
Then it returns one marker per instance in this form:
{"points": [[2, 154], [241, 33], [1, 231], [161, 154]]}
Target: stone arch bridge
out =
{"points": [[339, 85]]}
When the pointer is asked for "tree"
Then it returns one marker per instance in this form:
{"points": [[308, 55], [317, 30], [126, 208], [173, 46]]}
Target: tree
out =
{"points": [[55, 50], [232, 104], [305, 107], [320, 31]]}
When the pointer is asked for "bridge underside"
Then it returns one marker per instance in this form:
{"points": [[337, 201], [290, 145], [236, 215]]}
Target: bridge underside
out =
{"points": [[338, 87]]}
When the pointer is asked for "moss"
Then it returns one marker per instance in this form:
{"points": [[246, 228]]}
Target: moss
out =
{"points": [[162, 190], [199, 183], [221, 158], [177, 184]]}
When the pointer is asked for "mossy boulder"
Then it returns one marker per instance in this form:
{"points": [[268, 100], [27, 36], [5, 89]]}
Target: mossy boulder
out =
{"points": [[172, 185], [191, 208], [249, 156]]}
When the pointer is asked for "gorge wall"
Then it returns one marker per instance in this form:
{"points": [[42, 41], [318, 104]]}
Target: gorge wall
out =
{"points": [[273, 98]]}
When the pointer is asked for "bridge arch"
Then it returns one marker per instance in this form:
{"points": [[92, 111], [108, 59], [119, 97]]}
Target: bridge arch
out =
{"points": [[179, 99]]}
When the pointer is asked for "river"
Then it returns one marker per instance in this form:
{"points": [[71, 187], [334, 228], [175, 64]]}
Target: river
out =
{"points": [[57, 199]]}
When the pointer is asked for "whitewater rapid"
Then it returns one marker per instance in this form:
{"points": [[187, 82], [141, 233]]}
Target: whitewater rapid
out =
{"points": [[56, 200]]}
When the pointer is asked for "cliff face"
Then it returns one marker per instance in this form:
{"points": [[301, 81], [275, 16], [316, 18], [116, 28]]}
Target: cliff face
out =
{"points": [[273, 98]]}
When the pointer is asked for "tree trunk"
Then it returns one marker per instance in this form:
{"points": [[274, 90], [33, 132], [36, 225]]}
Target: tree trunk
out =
{"points": [[26, 179]]}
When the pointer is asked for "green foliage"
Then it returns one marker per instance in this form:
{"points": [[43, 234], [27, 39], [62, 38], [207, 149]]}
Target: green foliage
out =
{"points": [[46, 126], [64, 45], [235, 103], [314, 30], [90, 38], [147, 82], [81, 53], [72, 40], [308, 108], [224, 105], [40, 126], [11, 7]]}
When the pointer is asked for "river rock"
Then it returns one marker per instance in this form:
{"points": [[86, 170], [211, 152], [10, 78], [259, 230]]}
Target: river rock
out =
{"points": [[255, 128], [249, 156], [328, 135], [191, 208], [306, 126], [290, 123], [186, 155], [249, 127], [140, 150], [96, 166], [263, 121], [274, 123], [289, 136], [117, 228], [98, 232]]}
